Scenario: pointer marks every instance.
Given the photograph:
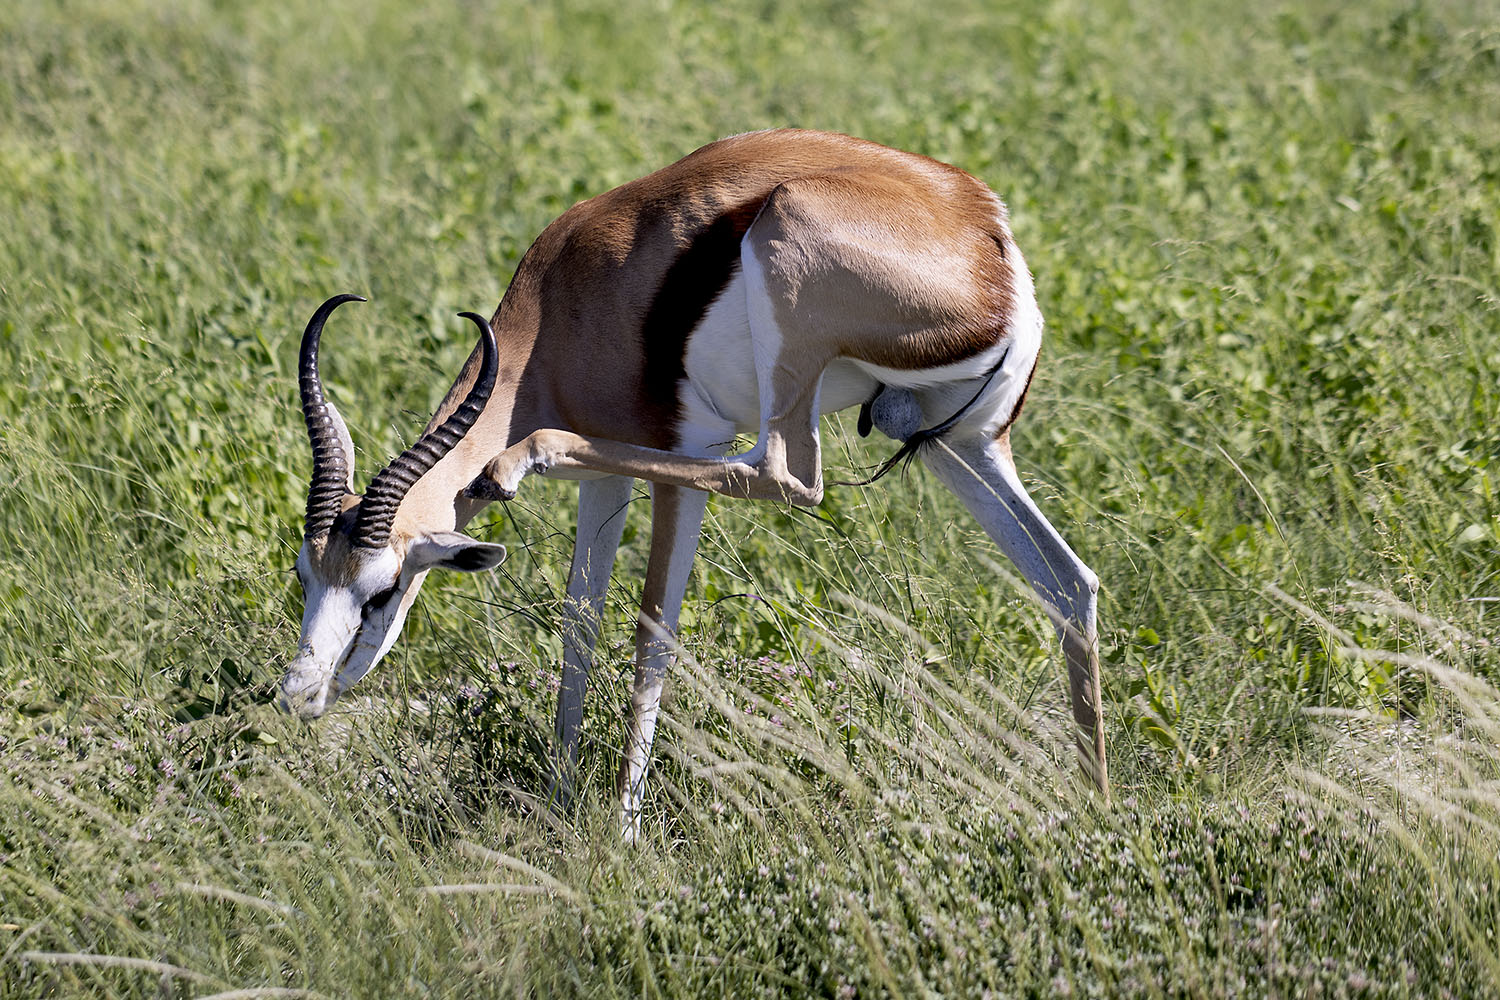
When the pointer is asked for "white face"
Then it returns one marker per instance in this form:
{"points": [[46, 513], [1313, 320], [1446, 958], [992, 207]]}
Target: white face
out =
{"points": [[348, 625]]}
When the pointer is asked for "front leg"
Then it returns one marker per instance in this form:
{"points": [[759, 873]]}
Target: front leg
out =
{"points": [[601, 519], [676, 518]]}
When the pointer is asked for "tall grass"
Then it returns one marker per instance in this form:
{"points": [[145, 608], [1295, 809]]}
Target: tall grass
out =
{"points": [[1267, 244]]}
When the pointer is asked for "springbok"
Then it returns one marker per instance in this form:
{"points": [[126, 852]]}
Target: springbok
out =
{"points": [[751, 286]]}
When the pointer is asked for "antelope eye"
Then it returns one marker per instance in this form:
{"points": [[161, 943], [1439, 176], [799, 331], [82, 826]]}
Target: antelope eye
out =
{"points": [[381, 599]]}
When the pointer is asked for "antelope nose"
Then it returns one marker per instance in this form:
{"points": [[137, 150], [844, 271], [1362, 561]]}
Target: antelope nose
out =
{"points": [[302, 694]]}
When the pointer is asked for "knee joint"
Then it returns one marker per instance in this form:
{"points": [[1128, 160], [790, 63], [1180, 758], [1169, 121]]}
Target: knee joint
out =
{"points": [[806, 496], [781, 484]]}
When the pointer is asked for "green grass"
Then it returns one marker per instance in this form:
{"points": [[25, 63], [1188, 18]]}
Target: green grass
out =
{"points": [[1267, 242]]}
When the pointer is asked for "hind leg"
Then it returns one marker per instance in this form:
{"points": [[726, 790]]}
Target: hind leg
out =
{"points": [[980, 471], [824, 278], [785, 464]]}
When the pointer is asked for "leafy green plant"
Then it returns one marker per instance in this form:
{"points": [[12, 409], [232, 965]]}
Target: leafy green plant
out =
{"points": [[1266, 242]]}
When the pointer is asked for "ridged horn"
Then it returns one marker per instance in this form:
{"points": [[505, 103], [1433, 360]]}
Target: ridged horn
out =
{"points": [[325, 429], [377, 511]]}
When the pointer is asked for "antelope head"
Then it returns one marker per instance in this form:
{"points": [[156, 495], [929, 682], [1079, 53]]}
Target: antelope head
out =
{"points": [[359, 573]]}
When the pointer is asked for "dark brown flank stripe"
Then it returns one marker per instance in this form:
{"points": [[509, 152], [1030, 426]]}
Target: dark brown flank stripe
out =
{"points": [[695, 280]]}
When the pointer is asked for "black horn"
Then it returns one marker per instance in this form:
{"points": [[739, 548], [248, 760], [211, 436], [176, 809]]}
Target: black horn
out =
{"points": [[325, 428], [386, 491]]}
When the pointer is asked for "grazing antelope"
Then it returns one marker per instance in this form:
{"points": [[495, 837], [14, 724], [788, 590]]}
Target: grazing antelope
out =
{"points": [[750, 287]]}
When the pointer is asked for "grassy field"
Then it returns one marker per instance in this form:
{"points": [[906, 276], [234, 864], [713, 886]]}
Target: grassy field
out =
{"points": [[1267, 241]]}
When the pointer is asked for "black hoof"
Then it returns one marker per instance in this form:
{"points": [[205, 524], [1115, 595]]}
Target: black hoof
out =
{"points": [[485, 488]]}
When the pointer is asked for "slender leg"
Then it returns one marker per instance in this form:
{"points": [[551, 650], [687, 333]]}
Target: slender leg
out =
{"points": [[982, 474], [601, 519], [785, 464], [676, 517], [764, 477]]}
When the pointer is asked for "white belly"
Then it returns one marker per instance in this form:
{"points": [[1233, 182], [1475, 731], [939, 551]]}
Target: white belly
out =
{"points": [[720, 398], [720, 393]]}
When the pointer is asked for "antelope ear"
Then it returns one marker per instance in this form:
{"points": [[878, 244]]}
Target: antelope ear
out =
{"points": [[451, 550]]}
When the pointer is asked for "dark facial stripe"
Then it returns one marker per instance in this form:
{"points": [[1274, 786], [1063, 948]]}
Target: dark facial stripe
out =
{"points": [[696, 278]]}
